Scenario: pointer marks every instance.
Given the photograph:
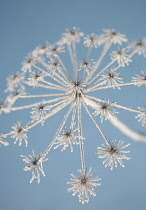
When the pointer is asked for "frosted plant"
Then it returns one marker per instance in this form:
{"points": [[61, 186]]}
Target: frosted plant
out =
{"points": [[82, 185], [67, 137], [142, 115], [111, 78], [140, 79], [121, 57], [35, 164], [35, 77], [45, 68], [103, 108], [18, 134], [113, 153], [39, 111], [2, 141]]}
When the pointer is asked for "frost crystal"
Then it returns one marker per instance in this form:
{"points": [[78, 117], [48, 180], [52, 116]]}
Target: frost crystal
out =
{"points": [[121, 57], [103, 109], [112, 36], [91, 40], [113, 153], [111, 78], [14, 81], [39, 111], [67, 137], [2, 141], [19, 134], [55, 78], [35, 164], [139, 46], [140, 79], [142, 115], [83, 185], [35, 78]]}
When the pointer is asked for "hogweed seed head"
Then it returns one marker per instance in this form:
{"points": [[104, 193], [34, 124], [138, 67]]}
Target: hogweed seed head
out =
{"points": [[46, 69]]}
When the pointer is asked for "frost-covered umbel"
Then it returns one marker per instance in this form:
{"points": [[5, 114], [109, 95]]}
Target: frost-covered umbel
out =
{"points": [[73, 88]]}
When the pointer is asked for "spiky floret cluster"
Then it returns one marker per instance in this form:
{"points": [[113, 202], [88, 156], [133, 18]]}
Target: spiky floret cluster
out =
{"points": [[44, 68]]}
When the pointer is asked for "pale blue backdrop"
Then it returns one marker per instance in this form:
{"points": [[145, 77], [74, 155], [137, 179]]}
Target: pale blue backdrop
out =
{"points": [[24, 24]]}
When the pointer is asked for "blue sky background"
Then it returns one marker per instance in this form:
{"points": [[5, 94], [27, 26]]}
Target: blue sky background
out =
{"points": [[26, 24]]}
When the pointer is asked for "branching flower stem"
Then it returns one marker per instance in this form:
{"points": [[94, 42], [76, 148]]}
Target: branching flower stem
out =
{"points": [[59, 130], [52, 112], [75, 61], [81, 136], [106, 87], [42, 95], [113, 104], [33, 104], [94, 81], [60, 80], [99, 60], [95, 122]]}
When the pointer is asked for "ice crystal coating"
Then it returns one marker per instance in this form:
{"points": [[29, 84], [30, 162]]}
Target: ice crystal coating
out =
{"points": [[39, 111], [14, 81], [2, 141], [35, 78], [67, 137], [139, 46], [121, 57], [28, 62], [111, 78], [83, 185], [112, 36], [35, 164], [103, 109], [142, 115], [4, 106], [113, 153], [91, 40], [140, 79], [72, 35], [69, 87], [18, 133]]}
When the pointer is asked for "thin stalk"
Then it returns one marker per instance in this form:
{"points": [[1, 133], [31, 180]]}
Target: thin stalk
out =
{"points": [[62, 78], [89, 51], [65, 70], [98, 62], [42, 95], [33, 104], [81, 136], [113, 104], [75, 61], [73, 118], [58, 131], [48, 74], [95, 122], [94, 81], [55, 86], [110, 86]]}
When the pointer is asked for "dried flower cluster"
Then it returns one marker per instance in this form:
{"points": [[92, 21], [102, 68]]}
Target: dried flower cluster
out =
{"points": [[44, 68]]}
